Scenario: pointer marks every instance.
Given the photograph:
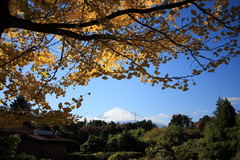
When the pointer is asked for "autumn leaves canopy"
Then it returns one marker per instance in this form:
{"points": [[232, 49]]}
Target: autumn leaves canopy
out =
{"points": [[48, 45]]}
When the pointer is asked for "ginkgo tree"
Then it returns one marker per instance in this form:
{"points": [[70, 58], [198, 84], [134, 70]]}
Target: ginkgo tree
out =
{"points": [[48, 45]]}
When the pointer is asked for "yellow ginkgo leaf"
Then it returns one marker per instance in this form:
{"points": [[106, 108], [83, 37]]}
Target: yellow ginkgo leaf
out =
{"points": [[193, 12], [60, 106], [105, 77], [78, 105], [67, 103]]}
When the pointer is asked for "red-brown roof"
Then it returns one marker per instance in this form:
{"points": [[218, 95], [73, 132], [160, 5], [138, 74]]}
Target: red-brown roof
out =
{"points": [[28, 132], [19, 130], [46, 138]]}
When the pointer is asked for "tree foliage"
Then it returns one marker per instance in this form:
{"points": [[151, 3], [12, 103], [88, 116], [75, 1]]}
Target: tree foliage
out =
{"points": [[225, 114], [8, 145], [152, 133], [125, 142], [137, 133], [203, 122], [181, 120], [161, 147], [92, 144], [20, 102], [49, 45]]}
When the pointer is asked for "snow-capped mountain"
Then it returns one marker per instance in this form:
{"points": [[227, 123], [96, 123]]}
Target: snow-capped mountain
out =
{"points": [[120, 114]]}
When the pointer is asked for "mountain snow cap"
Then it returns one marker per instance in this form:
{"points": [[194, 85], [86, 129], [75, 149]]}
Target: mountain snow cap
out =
{"points": [[120, 114]]}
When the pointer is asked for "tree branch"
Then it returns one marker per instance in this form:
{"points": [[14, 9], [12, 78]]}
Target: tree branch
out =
{"points": [[4, 12], [55, 28]]}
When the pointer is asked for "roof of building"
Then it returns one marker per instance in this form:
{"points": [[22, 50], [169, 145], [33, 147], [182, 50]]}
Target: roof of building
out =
{"points": [[19, 130], [28, 132], [46, 138]]}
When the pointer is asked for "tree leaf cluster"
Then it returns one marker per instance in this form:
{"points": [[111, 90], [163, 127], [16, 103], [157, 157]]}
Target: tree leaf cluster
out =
{"points": [[49, 45]]}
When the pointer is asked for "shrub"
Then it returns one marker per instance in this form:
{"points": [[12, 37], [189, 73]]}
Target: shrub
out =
{"points": [[100, 155], [8, 146], [187, 150], [137, 133], [237, 156], [125, 155], [24, 156], [93, 144], [152, 133], [73, 156], [103, 155], [125, 142], [160, 149], [72, 146], [118, 156], [133, 154]]}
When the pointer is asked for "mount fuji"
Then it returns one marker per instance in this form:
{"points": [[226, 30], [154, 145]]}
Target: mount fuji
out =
{"points": [[122, 115]]}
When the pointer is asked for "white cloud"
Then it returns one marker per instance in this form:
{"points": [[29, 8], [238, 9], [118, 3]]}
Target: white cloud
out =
{"points": [[234, 100], [198, 111], [163, 115]]}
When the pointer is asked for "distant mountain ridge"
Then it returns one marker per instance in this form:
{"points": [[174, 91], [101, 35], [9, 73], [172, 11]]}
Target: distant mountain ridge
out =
{"points": [[122, 115]]}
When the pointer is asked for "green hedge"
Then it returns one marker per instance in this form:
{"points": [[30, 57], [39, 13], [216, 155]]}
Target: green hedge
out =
{"points": [[102, 155]]}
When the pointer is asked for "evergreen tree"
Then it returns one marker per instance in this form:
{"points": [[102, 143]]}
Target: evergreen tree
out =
{"points": [[221, 137], [85, 121], [20, 102], [218, 104], [204, 121], [225, 114], [103, 135], [181, 120]]}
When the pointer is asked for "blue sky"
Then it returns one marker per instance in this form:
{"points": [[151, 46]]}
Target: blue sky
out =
{"points": [[153, 103], [159, 105]]}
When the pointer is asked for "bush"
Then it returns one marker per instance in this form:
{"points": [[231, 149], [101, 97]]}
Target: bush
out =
{"points": [[133, 154], [80, 156], [93, 144], [72, 146], [125, 142], [161, 146], [153, 133], [174, 135], [160, 149], [92, 156], [24, 156], [137, 133], [125, 155], [118, 156], [237, 156], [187, 150], [8, 146], [100, 155]]}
